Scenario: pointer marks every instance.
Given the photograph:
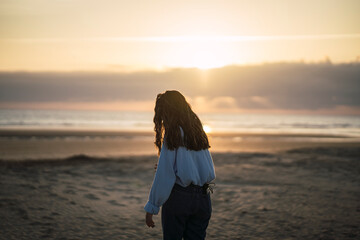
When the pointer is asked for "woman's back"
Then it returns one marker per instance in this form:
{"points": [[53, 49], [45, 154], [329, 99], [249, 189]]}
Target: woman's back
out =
{"points": [[185, 168], [194, 167]]}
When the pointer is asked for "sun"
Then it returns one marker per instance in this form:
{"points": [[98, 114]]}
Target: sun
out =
{"points": [[205, 60], [207, 129], [199, 52]]}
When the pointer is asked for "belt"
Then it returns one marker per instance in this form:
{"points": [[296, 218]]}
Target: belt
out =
{"points": [[205, 189]]}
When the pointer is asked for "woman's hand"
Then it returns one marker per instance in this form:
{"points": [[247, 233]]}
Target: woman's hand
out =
{"points": [[149, 221]]}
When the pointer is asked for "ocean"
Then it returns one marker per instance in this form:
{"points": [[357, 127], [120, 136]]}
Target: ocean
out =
{"points": [[55, 134], [216, 123]]}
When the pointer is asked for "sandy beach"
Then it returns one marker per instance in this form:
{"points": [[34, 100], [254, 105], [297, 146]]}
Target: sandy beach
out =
{"points": [[265, 189]]}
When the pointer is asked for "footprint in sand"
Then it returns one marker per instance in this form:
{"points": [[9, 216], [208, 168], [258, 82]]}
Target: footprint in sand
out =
{"points": [[69, 191], [91, 196], [47, 218], [104, 194], [55, 214], [22, 212], [115, 203]]}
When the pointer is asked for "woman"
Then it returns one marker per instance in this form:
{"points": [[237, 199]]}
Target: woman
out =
{"points": [[184, 170]]}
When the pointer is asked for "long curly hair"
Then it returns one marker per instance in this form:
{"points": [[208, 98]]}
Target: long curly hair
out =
{"points": [[172, 111]]}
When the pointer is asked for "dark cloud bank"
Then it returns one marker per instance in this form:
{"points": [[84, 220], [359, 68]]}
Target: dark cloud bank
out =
{"points": [[277, 85]]}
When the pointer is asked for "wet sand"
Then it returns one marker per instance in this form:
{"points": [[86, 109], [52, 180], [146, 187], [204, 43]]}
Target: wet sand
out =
{"points": [[31, 143], [297, 193]]}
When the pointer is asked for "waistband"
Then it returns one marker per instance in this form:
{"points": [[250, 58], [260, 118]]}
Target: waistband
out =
{"points": [[192, 188]]}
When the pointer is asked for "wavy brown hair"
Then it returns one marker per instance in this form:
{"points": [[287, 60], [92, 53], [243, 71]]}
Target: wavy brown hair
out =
{"points": [[172, 111]]}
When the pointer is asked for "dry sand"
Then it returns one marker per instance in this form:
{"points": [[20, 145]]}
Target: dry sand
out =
{"points": [[268, 186], [304, 193]]}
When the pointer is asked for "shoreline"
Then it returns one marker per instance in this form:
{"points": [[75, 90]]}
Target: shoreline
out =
{"points": [[83, 158], [55, 149], [38, 144], [104, 132]]}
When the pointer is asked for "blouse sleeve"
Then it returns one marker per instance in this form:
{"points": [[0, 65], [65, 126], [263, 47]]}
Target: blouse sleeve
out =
{"points": [[163, 182]]}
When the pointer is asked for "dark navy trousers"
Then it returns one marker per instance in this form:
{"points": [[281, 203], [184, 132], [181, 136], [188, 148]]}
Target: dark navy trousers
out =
{"points": [[186, 213]]}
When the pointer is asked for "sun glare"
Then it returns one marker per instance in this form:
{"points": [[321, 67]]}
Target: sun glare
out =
{"points": [[205, 60], [203, 53], [207, 128]]}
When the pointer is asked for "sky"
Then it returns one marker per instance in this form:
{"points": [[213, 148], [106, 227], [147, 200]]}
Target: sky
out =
{"points": [[59, 53], [38, 35]]}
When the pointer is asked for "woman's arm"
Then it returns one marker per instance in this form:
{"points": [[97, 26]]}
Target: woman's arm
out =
{"points": [[163, 182]]}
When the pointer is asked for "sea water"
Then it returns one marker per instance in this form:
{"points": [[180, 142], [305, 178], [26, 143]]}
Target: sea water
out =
{"points": [[219, 122], [103, 133]]}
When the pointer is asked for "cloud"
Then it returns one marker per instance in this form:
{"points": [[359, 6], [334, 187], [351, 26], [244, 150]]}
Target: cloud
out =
{"points": [[282, 86], [216, 104], [224, 102], [262, 101]]}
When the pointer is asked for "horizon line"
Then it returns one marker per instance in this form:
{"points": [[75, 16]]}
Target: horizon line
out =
{"points": [[193, 38], [111, 68], [116, 68]]}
